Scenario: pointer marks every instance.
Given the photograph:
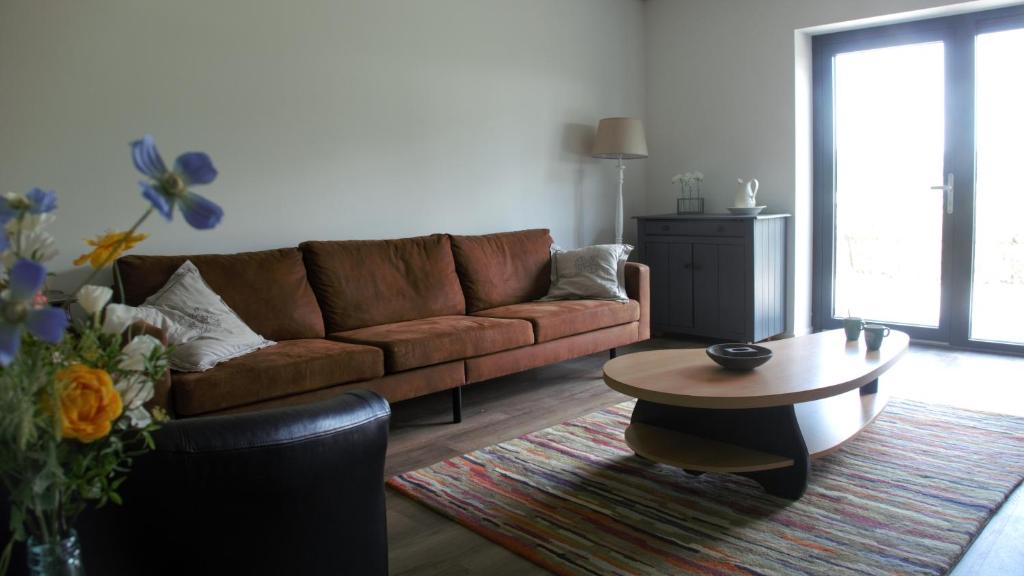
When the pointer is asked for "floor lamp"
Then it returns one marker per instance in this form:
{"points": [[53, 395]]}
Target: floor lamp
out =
{"points": [[620, 139]]}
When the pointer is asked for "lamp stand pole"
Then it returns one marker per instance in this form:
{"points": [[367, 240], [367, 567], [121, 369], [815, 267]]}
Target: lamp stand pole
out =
{"points": [[618, 204]]}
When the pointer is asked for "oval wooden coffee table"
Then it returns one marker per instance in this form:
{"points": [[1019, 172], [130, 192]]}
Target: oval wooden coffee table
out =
{"points": [[817, 392]]}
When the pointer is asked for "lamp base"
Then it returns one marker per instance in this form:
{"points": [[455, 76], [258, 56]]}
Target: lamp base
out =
{"points": [[618, 205]]}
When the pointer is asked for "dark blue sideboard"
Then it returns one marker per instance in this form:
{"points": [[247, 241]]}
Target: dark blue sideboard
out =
{"points": [[716, 275]]}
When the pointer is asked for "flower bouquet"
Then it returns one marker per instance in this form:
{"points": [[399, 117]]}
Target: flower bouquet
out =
{"points": [[690, 200], [73, 397]]}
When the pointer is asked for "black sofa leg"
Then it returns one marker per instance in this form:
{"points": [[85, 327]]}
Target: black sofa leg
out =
{"points": [[612, 354], [457, 404]]}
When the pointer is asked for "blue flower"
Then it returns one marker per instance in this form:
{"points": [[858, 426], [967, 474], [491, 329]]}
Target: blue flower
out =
{"points": [[19, 310], [8, 209], [41, 201], [6, 215], [36, 201], [170, 187]]}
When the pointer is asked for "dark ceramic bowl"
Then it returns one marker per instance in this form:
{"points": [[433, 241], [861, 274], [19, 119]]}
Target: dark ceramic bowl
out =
{"points": [[738, 356]]}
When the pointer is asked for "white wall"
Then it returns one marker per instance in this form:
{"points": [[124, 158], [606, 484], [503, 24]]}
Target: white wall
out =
{"points": [[326, 118], [728, 94], [387, 118]]}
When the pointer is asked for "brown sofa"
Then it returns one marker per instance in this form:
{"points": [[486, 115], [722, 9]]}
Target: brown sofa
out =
{"points": [[403, 317]]}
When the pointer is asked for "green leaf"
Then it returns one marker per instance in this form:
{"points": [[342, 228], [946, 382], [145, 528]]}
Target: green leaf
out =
{"points": [[5, 559]]}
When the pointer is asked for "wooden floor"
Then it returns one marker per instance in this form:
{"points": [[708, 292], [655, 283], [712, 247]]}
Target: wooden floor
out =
{"points": [[422, 542]]}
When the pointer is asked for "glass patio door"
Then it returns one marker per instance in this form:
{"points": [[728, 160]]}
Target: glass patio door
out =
{"points": [[889, 149], [997, 284], [919, 195]]}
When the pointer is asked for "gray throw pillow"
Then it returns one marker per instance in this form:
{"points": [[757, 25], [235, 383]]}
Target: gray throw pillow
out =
{"points": [[595, 272], [201, 329]]}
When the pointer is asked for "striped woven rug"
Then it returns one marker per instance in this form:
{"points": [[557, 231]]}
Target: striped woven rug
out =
{"points": [[905, 497]]}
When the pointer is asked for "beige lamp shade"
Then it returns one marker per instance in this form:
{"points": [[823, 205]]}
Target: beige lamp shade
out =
{"points": [[620, 138]]}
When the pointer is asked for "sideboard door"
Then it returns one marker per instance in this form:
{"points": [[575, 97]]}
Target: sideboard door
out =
{"points": [[671, 266], [733, 308], [705, 288]]}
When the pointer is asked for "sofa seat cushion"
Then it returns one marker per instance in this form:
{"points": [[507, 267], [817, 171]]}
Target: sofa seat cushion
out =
{"points": [[429, 341], [554, 320], [289, 367]]}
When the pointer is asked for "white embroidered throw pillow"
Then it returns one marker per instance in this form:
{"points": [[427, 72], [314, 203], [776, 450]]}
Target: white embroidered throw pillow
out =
{"points": [[595, 272], [201, 329]]}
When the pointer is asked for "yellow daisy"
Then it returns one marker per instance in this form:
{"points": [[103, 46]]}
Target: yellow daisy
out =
{"points": [[109, 247]]}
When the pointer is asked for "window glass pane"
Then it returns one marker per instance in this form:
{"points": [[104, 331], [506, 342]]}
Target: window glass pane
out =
{"points": [[997, 288], [889, 143]]}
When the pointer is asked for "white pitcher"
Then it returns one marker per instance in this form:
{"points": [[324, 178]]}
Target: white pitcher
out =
{"points": [[746, 193]]}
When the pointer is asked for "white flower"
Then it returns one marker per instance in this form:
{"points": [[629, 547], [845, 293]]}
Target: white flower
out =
{"points": [[139, 417], [94, 298], [134, 355], [135, 391], [689, 179], [37, 245], [30, 222], [118, 318]]}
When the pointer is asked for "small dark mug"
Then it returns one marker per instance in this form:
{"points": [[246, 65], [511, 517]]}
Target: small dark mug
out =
{"points": [[873, 334], [852, 327]]}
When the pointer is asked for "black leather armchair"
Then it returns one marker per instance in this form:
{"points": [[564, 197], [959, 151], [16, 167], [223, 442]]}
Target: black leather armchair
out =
{"points": [[297, 490]]}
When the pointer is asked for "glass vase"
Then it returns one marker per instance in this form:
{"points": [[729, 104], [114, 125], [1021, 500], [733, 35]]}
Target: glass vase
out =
{"points": [[62, 557]]}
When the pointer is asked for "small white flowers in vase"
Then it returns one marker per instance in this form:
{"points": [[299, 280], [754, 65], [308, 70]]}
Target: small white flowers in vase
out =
{"points": [[690, 200]]}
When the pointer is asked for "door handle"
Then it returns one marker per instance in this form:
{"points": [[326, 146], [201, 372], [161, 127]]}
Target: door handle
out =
{"points": [[948, 189]]}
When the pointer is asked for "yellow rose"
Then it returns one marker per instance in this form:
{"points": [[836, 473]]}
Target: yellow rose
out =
{"points": [[88, 402], [108, 247]]}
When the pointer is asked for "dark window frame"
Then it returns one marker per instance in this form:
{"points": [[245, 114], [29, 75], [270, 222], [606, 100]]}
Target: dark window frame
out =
{"points": [[958, 32]]}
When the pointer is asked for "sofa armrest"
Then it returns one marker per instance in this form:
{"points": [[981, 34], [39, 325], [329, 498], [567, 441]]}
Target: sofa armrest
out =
{"points": [[341, 424], [162, 387], [294, 490], [638, 287], [140, 327]]}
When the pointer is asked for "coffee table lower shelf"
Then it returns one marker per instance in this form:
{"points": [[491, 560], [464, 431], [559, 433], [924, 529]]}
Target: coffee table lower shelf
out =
{"points": [[772, 445]]}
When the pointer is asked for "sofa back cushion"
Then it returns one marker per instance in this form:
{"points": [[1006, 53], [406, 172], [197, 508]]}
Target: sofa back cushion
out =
{"points": [[502, 269], [268, 289], [362, 283]]}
